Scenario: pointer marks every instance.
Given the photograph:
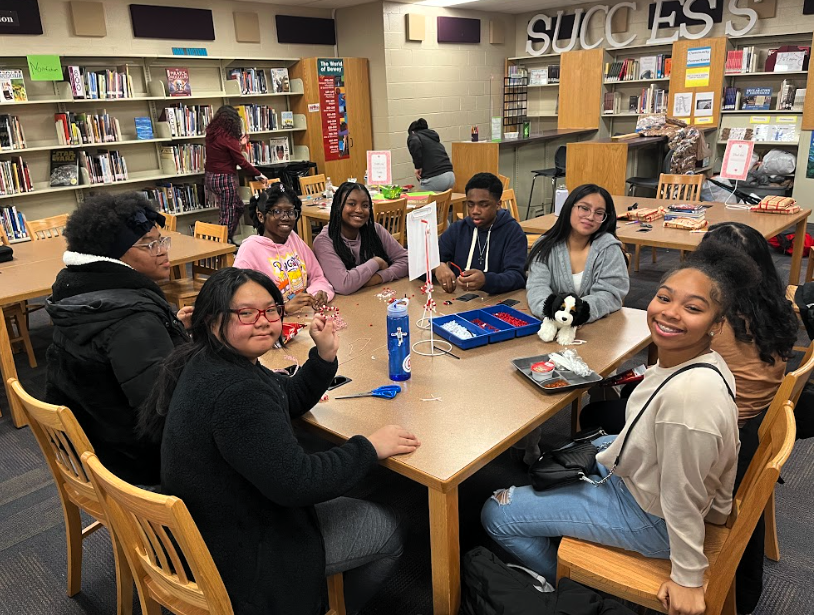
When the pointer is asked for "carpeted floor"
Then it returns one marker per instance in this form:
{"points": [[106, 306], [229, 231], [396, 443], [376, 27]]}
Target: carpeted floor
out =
{"points": [[32, 539]]}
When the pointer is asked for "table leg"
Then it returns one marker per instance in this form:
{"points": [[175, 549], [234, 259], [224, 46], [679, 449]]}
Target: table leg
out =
{"points": [[8, 370], [305, 229], [445, 552], [797, 251]]}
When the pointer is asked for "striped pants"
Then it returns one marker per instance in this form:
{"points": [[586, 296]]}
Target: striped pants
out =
{"points": [[224, 187]]}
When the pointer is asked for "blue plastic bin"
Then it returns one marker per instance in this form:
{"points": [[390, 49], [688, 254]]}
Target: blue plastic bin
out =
{"points": [[505, 330], [529, 329]]}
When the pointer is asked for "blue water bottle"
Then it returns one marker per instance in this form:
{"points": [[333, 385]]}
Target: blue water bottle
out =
{"points": [[398, 340]]}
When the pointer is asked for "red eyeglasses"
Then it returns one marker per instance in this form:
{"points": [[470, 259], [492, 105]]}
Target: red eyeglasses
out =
{"points": [[250, 316]]}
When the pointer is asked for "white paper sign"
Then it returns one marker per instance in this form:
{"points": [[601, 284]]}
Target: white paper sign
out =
{"points": [[379, 170], [313, 108], [422, 237], [682, 104], [703, 104], [737, 159]]}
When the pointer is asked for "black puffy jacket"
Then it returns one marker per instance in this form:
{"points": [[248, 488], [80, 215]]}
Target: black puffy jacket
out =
{"points": [[112, 329]]}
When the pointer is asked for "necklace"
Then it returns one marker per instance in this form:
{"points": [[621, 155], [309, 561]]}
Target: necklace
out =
{"points": [[481, 250]]}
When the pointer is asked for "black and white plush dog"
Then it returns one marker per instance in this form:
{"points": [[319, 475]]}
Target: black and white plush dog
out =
{"points": [[563, 314]]}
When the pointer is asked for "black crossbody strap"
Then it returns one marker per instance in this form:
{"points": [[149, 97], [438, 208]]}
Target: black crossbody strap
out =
{"points": [[656, 392]]}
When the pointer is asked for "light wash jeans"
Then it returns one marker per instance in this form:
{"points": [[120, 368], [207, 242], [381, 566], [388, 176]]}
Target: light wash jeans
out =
{"points": [[606, 514], [439, 183]]}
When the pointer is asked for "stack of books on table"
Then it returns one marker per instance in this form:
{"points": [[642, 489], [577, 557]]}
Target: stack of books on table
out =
{"points": [[685, 210]]}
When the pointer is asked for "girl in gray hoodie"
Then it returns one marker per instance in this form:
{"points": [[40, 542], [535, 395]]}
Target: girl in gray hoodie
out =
{"points": [[580, 255]]}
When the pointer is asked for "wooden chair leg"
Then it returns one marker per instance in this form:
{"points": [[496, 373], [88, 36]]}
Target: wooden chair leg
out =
{"points": [[22, 328], [73, 536], [124, 579], [336, 594], [683, 255], [729, 607], [771, 546]]}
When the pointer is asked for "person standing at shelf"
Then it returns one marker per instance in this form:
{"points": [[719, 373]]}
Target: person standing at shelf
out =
{"points": [[433, 168], [224, 151]]}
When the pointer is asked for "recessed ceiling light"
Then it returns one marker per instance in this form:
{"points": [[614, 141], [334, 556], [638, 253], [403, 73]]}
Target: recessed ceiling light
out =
{"points": [[444, 3]]}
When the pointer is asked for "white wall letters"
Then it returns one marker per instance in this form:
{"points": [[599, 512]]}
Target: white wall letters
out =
{"points": [[583, 41], [740, 12]]}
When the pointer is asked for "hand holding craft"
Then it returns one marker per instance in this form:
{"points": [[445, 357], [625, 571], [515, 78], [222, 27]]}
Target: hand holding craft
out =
{"points": [[325, 337], [563, 314], [472, 279]]}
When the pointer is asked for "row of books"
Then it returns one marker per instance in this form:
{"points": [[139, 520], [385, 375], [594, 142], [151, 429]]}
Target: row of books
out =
{"points": [[784, 133], [258, 118], [13, 223], [15, 177], [789, 98], [176, 198], [631, 69], [183, 158], [12, 135], [187, 120], [103, 167], [268, 152], [253, 80], [106, 83], [650, 100], [83, 128], [544, 76], [518, 75], [789, 58]]}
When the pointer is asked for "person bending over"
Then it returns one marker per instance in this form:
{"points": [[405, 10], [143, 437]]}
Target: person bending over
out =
{"points": [[355, 251], [279, 252], [433, 168], [273, 516], [487, 248]]}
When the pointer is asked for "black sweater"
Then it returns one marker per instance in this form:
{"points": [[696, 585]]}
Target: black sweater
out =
{"points": [[229, 452], [428, 153]]}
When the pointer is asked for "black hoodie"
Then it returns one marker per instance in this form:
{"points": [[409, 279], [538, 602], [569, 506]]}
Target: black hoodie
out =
{"points": [[112, 329], [428, 153]]}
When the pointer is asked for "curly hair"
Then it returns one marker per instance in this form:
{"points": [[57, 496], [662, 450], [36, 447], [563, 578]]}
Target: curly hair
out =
{"points": [[371, 243], [762, 315], [92, 227], [267, 199], [226, 121]]}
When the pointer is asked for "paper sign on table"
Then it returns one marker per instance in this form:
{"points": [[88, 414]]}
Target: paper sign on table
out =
{"points": [[379, 170], [45, 68], [422, 237], [737, 159]]}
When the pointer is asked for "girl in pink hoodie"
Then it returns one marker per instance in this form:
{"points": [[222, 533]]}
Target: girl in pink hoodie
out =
{"points": [[281, 254]]}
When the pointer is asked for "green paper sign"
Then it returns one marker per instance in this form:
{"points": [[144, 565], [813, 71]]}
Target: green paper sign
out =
{"points": [[45, 68]]}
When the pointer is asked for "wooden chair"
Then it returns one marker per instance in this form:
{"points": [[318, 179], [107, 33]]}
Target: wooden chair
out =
{"points": [[509, 201], [505, 181], [46, 228], [443, 209], [685, 188], [256, 187], [392, 215], [634, 577], [168, 558], [15, 316], [312, 184], [63, 442], [184, 291], [170, 222]]}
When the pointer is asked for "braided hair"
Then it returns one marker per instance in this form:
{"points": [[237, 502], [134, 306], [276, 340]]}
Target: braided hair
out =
{"points": [[267, 199], [371, 242]]}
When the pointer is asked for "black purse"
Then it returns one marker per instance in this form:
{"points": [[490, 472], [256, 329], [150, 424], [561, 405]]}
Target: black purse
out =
{"points": [[6, 254], [576, 461]]}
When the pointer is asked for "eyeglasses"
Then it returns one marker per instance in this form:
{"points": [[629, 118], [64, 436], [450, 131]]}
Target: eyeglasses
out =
{"points": [[250, 316], [156, 247], [596, 214], [284, 213]]}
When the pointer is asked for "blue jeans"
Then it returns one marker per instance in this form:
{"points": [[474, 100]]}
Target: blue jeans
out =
{"points": [[606, 514]]}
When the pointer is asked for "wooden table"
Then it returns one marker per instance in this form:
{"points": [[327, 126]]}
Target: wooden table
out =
{"points": [[767, 225], [319, 210], [485, 404], [34, 269]]}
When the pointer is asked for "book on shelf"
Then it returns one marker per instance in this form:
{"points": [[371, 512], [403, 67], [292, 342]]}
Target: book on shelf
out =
{"points": [[107, 83], [187, 120], [280, 150], [734, 62], [84, 128], [12, 86], [251, 80], [732, 99], [15, 177], [176, 198], [13, 223], [73, 75], [554, 74], [538, 76], [286, 119], [12, 135], [182, 159], [737, 134], [102, 167], [64, 168], [633, 104], [799, 99], [280, 80], [757, 99], [178, 82], [785, 97], [648, 67], [257, 118], [144, 128], [610, 103], [787, 58]]}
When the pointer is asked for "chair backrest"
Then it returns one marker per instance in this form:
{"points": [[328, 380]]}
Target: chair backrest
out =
{"points": [[791, 387], [46, 228], [162, 545], [170, 222], [312, 184], [680, 187], [505, 181], [62, 441], [443, 209], [750, 500], [256, 187], [392, 215], [560, 158], [212, 232], [509, 201]]}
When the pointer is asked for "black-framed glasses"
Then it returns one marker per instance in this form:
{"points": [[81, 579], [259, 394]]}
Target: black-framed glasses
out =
{"points": [[162, 244], [587, 212], [250, 316], [279, 214]]}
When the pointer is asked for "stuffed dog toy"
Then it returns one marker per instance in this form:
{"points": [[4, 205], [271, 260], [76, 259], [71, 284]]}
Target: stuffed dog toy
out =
{"points": [[563, 314]]}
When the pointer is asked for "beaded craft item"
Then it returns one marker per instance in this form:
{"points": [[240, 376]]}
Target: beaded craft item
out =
{"points": [[332, 313]]}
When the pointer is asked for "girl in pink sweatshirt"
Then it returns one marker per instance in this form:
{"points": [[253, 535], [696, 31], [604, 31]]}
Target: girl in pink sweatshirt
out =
{"points": [[281, 254]]}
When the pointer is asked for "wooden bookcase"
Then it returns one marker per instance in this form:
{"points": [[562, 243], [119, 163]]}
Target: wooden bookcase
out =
{"points": [[580, 89], [210, 86], [542, 102]]}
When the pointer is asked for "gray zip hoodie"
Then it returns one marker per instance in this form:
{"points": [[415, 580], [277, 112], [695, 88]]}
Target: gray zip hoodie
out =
{"points": [[605, 281]]}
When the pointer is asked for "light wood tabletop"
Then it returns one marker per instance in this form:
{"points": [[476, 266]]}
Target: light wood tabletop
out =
{"points": [[35, 267], [483, 404], [767, 225], [319, 210]]}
